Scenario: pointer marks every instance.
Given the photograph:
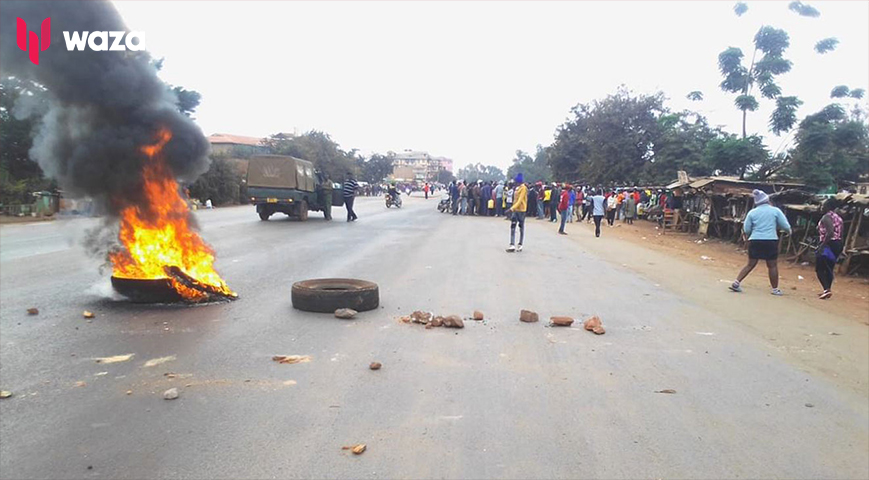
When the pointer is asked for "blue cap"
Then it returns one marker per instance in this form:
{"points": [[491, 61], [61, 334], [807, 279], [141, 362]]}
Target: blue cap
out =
{"points": [[519, 178]]}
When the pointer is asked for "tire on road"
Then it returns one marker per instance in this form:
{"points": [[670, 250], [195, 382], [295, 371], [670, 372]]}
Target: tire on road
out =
{"points": [[302, 211], [325, 295]]}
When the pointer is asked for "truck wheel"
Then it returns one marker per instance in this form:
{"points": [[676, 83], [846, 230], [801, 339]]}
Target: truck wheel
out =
{"points": [[303, 211], [264, 213], [325, 295]]}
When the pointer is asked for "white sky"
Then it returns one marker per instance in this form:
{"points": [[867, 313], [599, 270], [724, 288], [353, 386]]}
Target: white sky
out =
{"points": [[474, 81]]}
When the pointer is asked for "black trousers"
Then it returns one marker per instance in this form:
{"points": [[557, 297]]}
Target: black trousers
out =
{"points": [[348, 203], [597, 219], [824, 267], [611, 216], [553, 215]]}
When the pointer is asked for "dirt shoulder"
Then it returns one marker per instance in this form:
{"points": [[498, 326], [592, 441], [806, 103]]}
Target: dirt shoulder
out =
{"points": [[725, 259]]}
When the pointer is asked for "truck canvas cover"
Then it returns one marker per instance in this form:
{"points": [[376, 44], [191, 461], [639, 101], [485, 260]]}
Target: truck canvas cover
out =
{"points": [[280, 171]]}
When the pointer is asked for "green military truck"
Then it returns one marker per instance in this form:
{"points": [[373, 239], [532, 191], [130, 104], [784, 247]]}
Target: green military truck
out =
{"points": [[289, 185]]}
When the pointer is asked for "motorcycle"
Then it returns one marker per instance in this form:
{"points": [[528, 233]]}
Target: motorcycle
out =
{"points": [[393, 202], [444, 204]]}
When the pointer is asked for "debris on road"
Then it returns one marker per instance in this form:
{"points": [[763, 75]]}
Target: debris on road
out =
{"points": [[170, 394], [33, 311], [292, 359], [345, 313], [5, 394], [129, 392], [704, 257], [80, 384], [833, 333], [115, 359], [437, 322], [420, 317], [157, 361], [478, 315], [88, 314], [666, 390], [809, 405], [593, 324], [356, 449], [101, 374], [528, 316], [289, 382], [560, 321], [375, 366], [454, 321], [800, 277]]}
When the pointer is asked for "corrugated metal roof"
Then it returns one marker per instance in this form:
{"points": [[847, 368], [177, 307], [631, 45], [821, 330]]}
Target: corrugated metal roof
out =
{"points": [[235, 139]]}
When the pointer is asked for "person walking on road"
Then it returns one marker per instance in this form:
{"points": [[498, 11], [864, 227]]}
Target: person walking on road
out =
{"points": [[598, 209], [761, 225], [830, 233], [425, 189], [517, 214], [349, 192], [564, 208], [611, 204]]}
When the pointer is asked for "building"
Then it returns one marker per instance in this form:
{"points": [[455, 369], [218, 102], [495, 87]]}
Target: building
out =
{"points": [[236, 145], [418, 166]]}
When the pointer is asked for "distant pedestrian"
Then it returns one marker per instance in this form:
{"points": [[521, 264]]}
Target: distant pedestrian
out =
{"points": [[426, 189], [499, 198], [761, 225], [532, 201], [830, 233], [349, 192], [541, 200], [454, 198], [485, 198], [564, 208], [508, 198], [598, 209], [571, 202], [517, 214], [611, 205], [630, 203], [554, 198]]}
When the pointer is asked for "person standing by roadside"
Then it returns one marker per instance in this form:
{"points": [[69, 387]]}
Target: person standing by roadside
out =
{"points": [[598, 209], [541, 200], [630, 203], [553, 202], [571, 203], [454, 198], [611, 204], [532, 200], [485, 196], [761, 225], [564, 208], [508, 198], [349, 194], [830, 233], [499, 198], [463, 198], [517, 214]]}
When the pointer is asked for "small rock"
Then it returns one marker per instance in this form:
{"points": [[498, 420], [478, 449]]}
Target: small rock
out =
{"points": [[560, 321], [454, 321], [793, 288], [478, 315], [170, 394], [598, 330], [33, 311], [80, 384], [666, 390], [833, 333], [375, 366], [810, 405], [87, 314], [436, 322], [345, 313], [593, 323], [528, 316], [129, 392], [358, 449], [5, 394], [420, 317]]}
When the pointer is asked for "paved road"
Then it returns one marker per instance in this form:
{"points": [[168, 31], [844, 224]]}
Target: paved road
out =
{"points": [[498, 399]]}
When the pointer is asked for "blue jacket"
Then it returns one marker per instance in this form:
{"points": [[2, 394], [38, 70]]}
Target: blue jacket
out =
{"points": [[454, 191], [763, 221]]}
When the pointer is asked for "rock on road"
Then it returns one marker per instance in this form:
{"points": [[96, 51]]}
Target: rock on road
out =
{"points": [[497, 399]]}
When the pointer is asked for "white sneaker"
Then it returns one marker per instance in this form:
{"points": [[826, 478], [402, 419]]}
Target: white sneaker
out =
{"points": [[511, 248], [519, 248], [776, 292]]}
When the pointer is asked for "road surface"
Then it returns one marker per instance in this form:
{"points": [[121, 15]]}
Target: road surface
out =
{"points": [[763, 390]]}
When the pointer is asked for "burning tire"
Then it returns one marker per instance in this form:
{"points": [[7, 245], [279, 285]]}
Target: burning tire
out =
{"points": [[146, 291], [325, 295]]}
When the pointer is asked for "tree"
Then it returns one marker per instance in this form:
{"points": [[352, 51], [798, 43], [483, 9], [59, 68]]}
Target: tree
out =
{"points": [[533, 169], [19, 175], [376, 168], [772, 43], [445, 176], [473, 172], [731, 155], [680, 145], [826, 45], [740, 8], [803, 9], [221, 183], [831, 148], [695, 96], [316, 147]]}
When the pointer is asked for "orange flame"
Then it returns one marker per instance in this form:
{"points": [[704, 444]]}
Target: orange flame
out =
{"points": [[164, 238]]}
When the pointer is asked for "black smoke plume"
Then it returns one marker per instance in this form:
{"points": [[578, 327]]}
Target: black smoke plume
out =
{"points": [[103, 106]]}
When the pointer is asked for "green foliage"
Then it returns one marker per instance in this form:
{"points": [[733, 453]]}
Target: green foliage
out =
{"points": [[445, 177], [769, 90], [695, 96], [784, 117], [771, 41], [830, 148], [730, 60], [857, 93], [740, 8], [679, 145], [772, 65], [840, 91], [318, 148], [746, 102], [19, 175], [731, 155], [533, 169], [221, 183], [826, 45], [477, 171], [804, 9], [376, 168]]}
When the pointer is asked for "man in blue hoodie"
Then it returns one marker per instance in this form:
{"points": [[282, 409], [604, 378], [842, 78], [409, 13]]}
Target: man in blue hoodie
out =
{"points": [[761, 226]]}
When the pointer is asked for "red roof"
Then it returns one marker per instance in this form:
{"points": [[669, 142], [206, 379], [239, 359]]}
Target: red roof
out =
{"points": [[235, 139]]}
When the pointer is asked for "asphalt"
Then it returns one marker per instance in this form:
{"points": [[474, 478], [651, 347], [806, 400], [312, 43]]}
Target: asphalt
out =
{"points": [[497, 399]]}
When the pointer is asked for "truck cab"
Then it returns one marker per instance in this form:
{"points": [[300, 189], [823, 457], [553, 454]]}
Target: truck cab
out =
{"points": [[288, 185]]}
